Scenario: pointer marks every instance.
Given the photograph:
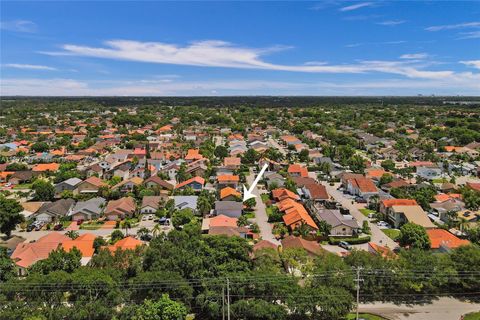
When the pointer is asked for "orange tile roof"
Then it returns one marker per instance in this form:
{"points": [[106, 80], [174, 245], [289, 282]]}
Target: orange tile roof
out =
{"points": [[474, 186], [228, 191], [41, 167], [194, 179], [282, 193], [228, 178], [5, 174], [95, 181], [376, 173], [387, 203], [127, 243], [83, 243], [193, 154], [231, 161], [296, 168], [441, 197], [439, 237], [295, 214], [364, 184], [223, 221]]}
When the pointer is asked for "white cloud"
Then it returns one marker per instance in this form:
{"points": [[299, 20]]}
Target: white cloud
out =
{"points": [[454, 26], [469, 35], [28, 66], [19, 26], [391, 22], [356, 6], [214, 53], [472, 63], [470, 85], [414, 56]]}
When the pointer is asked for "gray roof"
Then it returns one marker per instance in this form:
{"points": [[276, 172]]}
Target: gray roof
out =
{"points": [[94, 205], [182, 202], [228, 205], [335, 218], [57, 208], [71, 182]]}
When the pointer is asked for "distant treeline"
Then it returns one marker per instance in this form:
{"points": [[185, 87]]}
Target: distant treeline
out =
{"points": [[252, 101]]}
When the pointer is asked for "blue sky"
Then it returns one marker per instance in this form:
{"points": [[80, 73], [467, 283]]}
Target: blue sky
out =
{"points": [[240, 48]]}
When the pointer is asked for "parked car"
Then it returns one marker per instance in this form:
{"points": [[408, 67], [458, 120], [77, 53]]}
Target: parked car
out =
{"points": [[30, 227], [383, 225], [345, 245], [150, 217], [144, 218], [58, 227], [39, 226], [79, 222], [360, 200]]}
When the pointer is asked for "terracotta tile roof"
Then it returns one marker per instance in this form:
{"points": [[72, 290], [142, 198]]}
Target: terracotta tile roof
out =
{"points": [[187, 182], [282, 193], [95, 181], [127, 243], [420, 164], [231, 161], [223, 221], [296, 168], [387, 203], [193, 154], [375, 173], [311, 247], [26, 254], [295, 214], [317, 191], [364, 184], [125, 204], [439, 237], [83, 243], [41, 167], [228, 191], [160, 182], [228, 178], [474, 185], [264, 244]]}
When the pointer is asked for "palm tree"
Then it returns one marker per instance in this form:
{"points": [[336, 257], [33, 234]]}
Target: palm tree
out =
{"points": [[72, 234], [157, 229], [143, 233], [126, 224], [203, 204], [302, 230]]}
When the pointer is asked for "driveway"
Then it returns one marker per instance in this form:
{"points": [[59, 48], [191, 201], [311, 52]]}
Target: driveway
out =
{"points": [[261, 213], [377, 235]]}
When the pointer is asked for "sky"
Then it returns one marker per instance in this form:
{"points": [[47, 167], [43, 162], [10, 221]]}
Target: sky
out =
{"points": [[150, 48]]}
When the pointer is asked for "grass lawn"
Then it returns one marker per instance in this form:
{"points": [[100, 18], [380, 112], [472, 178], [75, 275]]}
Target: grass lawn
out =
{"points": [[439, 180], [23, 186], [472, 316], [66, 223], [366, 316], [90, 226], [366, 212], [392, 233], [265, 197], [249, 215]]}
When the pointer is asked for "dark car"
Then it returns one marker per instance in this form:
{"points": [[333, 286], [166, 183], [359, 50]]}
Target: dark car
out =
{"points": [[79, 222], [360, 200], [30, 227], [58, 227]]}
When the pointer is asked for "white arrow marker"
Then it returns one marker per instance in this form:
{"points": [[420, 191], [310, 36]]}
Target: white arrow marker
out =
{"points": [[247, 194]]}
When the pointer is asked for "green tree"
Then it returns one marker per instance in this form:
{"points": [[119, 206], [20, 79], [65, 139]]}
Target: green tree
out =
{"points": [[221, 152], [116, 235], [414, 236], [182, 217], [242, 221], [9, 215], [250, 203], [59, 260], [7, 268], [388, 165], [98, 243], [72, 234], [44, 190], [40, 147]]}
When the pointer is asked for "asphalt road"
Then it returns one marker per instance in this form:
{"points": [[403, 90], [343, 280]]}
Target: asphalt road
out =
{"points": [[377, 235], [444, 308], [261, 213]]}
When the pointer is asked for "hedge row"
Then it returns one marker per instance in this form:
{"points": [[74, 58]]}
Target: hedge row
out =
{"points": [[351, 240]]}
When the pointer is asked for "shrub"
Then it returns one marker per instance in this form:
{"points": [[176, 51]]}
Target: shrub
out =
{"points": [[351, 240]]}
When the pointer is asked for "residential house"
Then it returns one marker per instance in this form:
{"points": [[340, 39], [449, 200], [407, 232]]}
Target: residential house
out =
{"points": [[362, 187], [196, 183], [150, 204], [88, 209], [274, 179], [231, 163], [311, 247], [120, 209], [193, 155], [155, 182], [296, 170], [443, 241], [341, 225], [128, 185], [228, 180], [19, 177], [90, 185], [429, 172], [295, 214], [229, 194], [84, 244], [231, 209], [280, 194], [54, 211], [127, 243], [28, 253], [46, 167], [186, 202], [399, 215], [67, 185]]}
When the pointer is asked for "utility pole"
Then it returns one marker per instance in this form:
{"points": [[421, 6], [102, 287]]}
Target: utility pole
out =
{"points": [[357, 281], [228, 299], [223, 303]]}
